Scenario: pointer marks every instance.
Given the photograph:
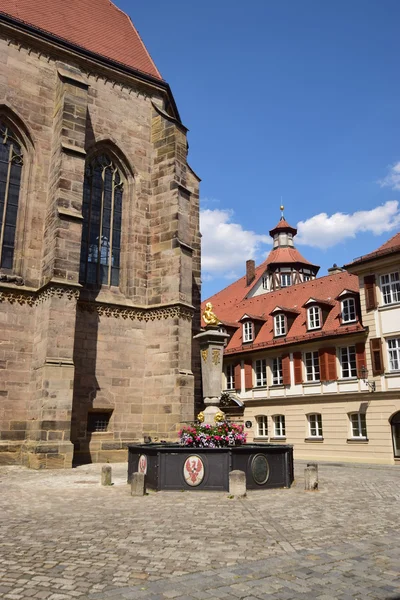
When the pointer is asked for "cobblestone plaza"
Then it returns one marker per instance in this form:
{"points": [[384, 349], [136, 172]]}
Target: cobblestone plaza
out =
{"points": [[65, 536]]}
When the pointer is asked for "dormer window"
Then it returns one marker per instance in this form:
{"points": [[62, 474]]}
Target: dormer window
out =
{"points": [[280, 324], [248, 331], [286, 279], [349, 310], [314, 317]]}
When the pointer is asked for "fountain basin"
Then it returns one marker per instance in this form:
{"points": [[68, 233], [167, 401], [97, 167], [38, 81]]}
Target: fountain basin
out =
{"points": [[176, 467]]}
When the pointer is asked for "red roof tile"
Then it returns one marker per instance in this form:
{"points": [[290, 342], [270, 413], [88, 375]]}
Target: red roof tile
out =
{"points": [[230, 304], [94, 25], [283, 225], [286, 256], [389, 247], [254, 317]]}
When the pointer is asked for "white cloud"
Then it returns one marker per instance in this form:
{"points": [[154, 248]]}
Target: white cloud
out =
{"points": [[323, 231], [226, 245], [392, 179]]}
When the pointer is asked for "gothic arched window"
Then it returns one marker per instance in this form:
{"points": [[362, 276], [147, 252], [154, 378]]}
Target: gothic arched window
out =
{"points": [[102, 215], [11, 162]]}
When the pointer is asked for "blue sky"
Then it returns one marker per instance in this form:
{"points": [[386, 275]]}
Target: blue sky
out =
{"points": [[299, 100]]}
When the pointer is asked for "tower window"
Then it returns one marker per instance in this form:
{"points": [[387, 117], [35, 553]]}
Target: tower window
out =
{"points": [[102, 215], [286, 279], [11, 161]]}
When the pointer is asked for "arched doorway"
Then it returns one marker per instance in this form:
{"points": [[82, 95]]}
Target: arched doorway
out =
{"points": [[395, 423]]}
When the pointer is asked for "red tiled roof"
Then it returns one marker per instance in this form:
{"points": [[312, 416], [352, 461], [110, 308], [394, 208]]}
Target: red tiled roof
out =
{"points": [[283, 225], [284, 309], [286, 256], [389, 247], [230, 304], [254, 317], [95, 25], [319, 301]]}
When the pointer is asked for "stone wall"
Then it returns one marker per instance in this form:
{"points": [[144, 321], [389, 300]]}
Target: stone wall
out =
{"points": [[68, 350]]}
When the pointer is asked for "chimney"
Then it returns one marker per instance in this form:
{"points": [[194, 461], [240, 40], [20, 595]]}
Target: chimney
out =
{"points": [[250, 271], [335, 269]]}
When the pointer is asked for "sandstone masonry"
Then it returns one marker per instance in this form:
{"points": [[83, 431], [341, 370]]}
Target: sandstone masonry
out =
{"points": [[69, 351]]}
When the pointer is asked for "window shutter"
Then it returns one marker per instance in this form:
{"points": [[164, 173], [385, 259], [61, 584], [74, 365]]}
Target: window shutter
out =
{"points": [[238, 372], [298, 368], [286, 369], [370, 292], [376, 355], [331, 362], [248, 374], [327, 364], [323, 375], [360, 358]]}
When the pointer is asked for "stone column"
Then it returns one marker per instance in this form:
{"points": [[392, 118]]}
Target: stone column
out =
{"points": [[212, 342]]}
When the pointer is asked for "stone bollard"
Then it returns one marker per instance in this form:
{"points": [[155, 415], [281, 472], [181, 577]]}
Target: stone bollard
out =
{"points": [[311, 478], [138, 484], [106, 475], [313, 465], [237, 484]]}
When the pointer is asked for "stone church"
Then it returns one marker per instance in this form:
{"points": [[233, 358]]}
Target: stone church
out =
{"points": [[99, 239]]}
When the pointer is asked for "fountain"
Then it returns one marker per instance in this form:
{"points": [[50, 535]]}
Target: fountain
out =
{"points": [[211, 448]]}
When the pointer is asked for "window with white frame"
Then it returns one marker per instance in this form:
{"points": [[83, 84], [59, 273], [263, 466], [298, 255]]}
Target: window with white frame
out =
{"points": [[348, 362], [262, 426], [311, 360], [248, 331], [358, 425], [314, 317], [280, 324], [286, 279], [306, 277], [230, 377], [390, 288], [348, 310], [315, 425], [279, 426], [394, 354], [277, 374], [264, 283], [260, 368]]}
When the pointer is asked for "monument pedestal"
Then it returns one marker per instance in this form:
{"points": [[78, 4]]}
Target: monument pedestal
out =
{"points": [[212, 342]]}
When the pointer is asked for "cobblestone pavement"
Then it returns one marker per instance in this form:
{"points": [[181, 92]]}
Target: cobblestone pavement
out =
{"points": [[64, 536]]}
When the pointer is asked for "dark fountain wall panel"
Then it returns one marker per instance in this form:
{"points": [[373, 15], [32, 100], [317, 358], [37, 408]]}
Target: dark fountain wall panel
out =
{"points": [[170, 467]]}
